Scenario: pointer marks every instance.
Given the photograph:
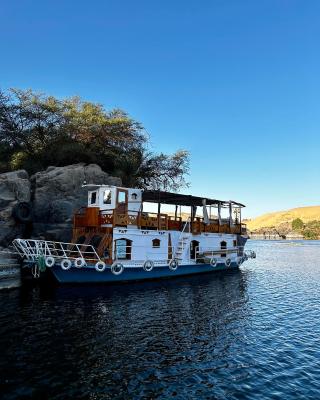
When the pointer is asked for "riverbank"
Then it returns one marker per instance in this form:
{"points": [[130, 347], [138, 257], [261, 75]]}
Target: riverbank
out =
{"points": [[298, 223], [272, 236]]}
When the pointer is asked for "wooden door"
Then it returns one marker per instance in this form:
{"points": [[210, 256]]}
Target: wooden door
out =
{"points": [[122, 201]]}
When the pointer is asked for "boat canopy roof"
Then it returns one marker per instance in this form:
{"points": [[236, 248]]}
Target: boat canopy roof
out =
{"points": [[157, 196]]}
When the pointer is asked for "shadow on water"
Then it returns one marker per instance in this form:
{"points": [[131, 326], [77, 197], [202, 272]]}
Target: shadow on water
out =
{"points": [[169, 338]]}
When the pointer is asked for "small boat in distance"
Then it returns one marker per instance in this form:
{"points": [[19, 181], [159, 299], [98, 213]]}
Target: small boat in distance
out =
{"points": [[115, 239]]}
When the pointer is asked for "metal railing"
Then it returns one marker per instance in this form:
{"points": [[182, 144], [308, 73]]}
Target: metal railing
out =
{"points": [[31, 250], [124, 253], [207, 253], [203, 253]]}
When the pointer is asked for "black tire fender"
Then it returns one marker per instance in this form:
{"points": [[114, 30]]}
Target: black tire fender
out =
{"points": [[22, 212]]}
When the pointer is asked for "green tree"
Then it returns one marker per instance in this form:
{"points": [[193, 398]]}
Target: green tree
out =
{"points": [[297, 224], [37, 131]]}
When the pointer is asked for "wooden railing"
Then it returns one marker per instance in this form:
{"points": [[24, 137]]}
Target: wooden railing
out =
{"points": [[93, 217], [174, 223]]}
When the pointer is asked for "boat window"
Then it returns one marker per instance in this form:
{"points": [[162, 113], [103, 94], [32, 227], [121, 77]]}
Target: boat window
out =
{"points": [[123, 249], [93, 198], [121, 197], [107, 196], [155, 243]]}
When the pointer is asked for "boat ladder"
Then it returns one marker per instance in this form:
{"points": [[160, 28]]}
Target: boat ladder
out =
{"points": [[183, 243]]}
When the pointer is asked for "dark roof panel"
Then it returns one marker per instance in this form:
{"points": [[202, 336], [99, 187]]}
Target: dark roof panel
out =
{"points": [[157, 196]]}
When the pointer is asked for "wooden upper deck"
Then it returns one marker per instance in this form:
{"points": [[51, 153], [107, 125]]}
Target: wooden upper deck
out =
{"points": [[110, 206], [93, 217]]}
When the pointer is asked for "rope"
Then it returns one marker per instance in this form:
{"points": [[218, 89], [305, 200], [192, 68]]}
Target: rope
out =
{"points": [[41, 263]]}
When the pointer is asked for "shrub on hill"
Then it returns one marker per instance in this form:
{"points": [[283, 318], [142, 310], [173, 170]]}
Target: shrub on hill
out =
{"points": [[311, 230], [310, 234], [297, 224]]}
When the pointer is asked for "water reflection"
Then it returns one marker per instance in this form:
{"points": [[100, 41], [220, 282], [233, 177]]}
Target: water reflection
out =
{"points": [[252, 334], [125, 341]]}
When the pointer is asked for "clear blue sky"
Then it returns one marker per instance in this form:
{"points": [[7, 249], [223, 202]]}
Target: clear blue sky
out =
{"points": [[235, 82]]}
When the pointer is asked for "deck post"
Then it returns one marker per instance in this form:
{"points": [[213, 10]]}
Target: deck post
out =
{"points": [[219, 216], [159, 218], [230, 216]]}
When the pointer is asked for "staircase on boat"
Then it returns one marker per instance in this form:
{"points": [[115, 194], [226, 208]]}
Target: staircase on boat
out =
{"points": [[182, 247], [183, 243]]}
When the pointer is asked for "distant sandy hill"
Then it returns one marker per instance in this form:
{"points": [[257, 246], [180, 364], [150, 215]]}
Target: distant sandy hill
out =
{"points": [[306, 214]]}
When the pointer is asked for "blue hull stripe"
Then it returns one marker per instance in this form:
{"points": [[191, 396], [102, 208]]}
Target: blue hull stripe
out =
{"points": [[90, 275]]}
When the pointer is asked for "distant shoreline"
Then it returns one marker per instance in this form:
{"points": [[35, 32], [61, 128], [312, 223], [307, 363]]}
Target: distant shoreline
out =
{"points": [[279, 238]]}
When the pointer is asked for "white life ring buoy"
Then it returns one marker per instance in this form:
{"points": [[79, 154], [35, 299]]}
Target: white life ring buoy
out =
{"points": [[117, 268], [228, 262], [173, 264], [213, 262], [100, 266], [79, 262], [66, 264], [148, 265], [50, 262]]}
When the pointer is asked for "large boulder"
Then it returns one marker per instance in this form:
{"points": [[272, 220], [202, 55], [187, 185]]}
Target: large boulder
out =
{"points": [[14, 188], [58, 193]]}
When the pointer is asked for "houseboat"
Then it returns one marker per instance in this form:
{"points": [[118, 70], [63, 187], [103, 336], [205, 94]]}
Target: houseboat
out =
{"points": [[116, 239]]}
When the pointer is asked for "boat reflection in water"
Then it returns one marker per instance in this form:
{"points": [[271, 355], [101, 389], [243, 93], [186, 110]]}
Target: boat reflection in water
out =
{"points": [[139, 339]]}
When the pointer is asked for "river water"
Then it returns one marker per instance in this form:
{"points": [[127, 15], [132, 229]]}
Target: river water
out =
{"points": [[249, 334]]}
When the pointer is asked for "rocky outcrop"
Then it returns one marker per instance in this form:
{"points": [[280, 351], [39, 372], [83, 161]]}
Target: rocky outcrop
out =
{"points": [[14, 188], [54, 194], [58, 192]]}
